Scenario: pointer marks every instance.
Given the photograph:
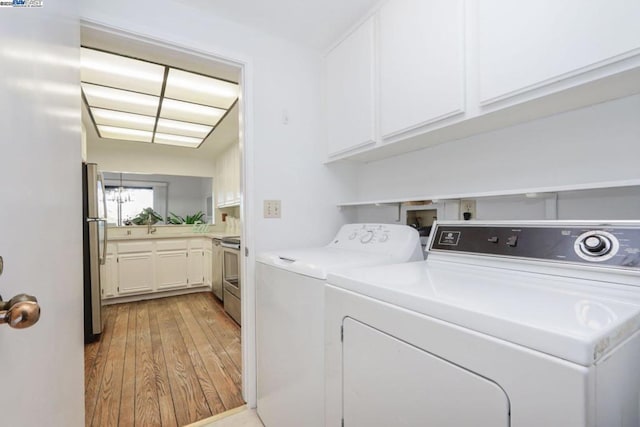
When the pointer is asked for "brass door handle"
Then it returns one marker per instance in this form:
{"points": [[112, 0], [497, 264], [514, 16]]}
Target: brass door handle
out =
{"points": [[20, 311]]}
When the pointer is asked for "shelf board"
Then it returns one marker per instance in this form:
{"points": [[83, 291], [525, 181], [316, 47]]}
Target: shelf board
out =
{"points": [[526, 192]]}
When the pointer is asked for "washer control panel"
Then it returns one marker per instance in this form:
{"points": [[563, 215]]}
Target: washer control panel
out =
{"points": [[390, 239], [610, 245]]}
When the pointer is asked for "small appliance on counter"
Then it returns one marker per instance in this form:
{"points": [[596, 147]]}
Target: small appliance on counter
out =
{"points": [[231, 277]]}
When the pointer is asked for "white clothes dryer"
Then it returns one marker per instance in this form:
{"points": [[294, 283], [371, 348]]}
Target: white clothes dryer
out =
{"points": [[504, 324], [290, 315]]}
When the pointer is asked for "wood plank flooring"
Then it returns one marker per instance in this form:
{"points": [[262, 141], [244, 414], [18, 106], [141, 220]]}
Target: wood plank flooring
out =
{"points": [[163, 362]]}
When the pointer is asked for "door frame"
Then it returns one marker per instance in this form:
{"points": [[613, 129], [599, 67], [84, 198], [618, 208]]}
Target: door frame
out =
{"points": [[245, 126]]}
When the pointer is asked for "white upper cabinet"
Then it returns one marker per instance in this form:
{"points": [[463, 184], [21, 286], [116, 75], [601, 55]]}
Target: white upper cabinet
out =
{"points": [[350, 91], [227, 178], [523, 46], [421, 64]]}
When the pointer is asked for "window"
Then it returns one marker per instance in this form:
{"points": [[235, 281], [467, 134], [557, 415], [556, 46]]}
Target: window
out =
{"points": [[124, 203]]}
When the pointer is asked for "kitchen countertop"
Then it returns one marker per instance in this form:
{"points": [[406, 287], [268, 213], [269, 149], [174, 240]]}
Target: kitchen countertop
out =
{"points": [[156, 236]]}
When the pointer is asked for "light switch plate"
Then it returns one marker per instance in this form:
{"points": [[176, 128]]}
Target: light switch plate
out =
{"points": [[272, 208]]}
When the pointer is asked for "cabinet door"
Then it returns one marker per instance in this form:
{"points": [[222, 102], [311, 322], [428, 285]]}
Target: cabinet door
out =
{"points": [[171, 269], [350, 91], [526, 45], [135, 273], [196, 267], [421, 64], [207, 267], [109, 276]]}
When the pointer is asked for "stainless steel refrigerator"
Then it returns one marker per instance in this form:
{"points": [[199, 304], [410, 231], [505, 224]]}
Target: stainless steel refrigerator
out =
{"points": [[94, 216]]}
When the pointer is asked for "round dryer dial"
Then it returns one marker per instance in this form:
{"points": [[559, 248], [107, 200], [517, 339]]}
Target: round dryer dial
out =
{"points": [[596, 246]]}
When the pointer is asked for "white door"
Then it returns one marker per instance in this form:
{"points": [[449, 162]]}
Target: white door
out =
{"points": [[41, 213]]}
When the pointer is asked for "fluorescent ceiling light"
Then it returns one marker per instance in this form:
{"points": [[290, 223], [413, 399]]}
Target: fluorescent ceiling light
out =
{"points": [[136, 100], [123, 120], [200, 89], [183, 128], [187, 112], [113, 132], [120, 100], [107, 69], [184, 141]]}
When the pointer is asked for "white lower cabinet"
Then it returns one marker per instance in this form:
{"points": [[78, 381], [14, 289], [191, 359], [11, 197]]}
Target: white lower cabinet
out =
{"points": [[135, 273], [195, 270], [208, 265], [171, 269], [109, 273], [142, 267]]}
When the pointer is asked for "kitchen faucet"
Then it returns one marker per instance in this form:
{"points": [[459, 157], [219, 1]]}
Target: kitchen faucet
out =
{"points": [[150, 228]]}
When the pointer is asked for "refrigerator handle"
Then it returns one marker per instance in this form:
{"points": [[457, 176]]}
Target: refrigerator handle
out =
{"points": [[103, 259]]}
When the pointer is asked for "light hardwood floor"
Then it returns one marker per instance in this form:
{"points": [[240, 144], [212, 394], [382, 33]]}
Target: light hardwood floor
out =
{"points": [[163, 362]]}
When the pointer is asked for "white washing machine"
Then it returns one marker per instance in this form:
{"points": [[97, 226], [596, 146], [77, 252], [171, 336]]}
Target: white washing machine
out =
{"points": [[290, 316], [504, 324]]}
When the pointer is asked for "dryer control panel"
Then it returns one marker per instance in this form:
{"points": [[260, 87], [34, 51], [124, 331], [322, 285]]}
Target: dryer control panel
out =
{"points": [[614, 245]]}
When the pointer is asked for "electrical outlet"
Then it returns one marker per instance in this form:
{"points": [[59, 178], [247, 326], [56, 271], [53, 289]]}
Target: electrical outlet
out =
{"points": [[272, 208], [467, 207]]}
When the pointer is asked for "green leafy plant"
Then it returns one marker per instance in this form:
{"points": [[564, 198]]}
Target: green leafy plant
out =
{"points": [[146, 216], [174, 219], [195, 218]]}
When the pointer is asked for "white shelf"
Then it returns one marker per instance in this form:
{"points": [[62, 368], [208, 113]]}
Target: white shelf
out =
{"points": [[527, 192]]}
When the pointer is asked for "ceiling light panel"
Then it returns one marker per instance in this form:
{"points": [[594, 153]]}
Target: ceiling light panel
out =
{"points": [[107, 69], [200, 89], [186, 112], [120, 100], [183, 128], [123, 120], [183, 141], [126, 134]]}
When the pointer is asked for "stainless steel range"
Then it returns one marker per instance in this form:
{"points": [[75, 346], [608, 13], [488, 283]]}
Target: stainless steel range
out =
{"points": [[231, 277]]}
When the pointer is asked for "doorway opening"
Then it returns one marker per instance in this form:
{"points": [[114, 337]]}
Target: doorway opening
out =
{"points": [[169, 351]]}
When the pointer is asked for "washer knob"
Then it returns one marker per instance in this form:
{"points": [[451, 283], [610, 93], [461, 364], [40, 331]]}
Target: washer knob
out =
{"points": [[353, 235], [367, 237]]}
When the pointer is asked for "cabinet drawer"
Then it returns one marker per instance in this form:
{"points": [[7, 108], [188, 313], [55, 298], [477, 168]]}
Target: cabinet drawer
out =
{"points": [[172, 245], [132, 247], [196, 243]]}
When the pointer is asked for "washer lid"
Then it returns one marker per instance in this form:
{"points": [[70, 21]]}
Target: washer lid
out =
{"points": [[574, 319], [318, 262]]}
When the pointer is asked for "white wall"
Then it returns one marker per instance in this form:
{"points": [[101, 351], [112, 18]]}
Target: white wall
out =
{"points": [[284, 76], [283, 160], [597, 143]]}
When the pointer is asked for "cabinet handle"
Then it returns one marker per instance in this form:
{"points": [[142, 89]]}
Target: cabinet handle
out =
{"points": [[20, 311]]}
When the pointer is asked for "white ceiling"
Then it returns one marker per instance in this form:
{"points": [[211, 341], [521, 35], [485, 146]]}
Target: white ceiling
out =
{"points": [[314, 23]]}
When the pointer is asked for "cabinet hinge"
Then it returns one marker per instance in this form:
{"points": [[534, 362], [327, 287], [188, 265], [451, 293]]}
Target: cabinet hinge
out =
{"points": [[342, 422], [118, 259], [187, 281], [118, 288], [341, 333]]}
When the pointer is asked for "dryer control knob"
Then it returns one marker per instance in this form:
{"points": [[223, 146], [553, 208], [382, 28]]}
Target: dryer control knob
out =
{"points": [[596, 244]]}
